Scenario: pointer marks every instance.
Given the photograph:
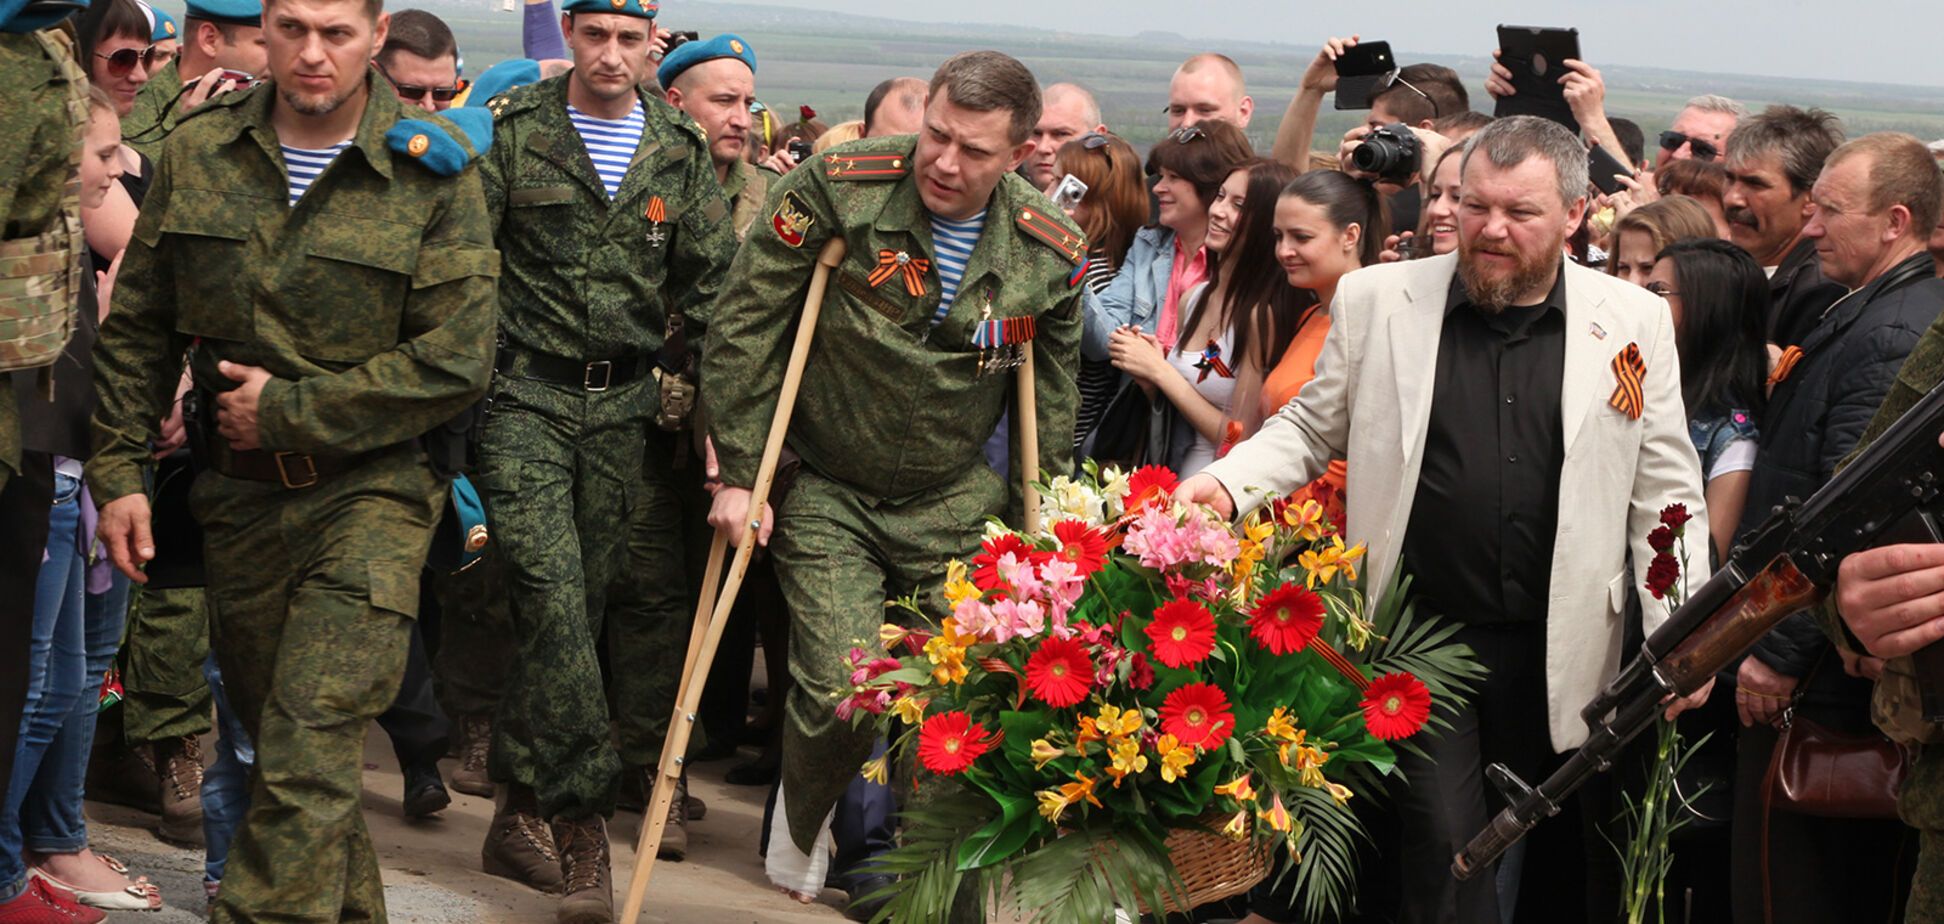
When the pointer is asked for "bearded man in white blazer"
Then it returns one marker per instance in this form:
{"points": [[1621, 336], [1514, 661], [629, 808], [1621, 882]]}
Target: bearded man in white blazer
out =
{"points": [[1513, 427]]}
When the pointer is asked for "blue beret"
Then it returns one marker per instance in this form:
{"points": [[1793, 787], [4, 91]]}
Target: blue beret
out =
{"points": [[689, 54], [241, 12], [643, 8], [18, 17], [435, 147], [501, 77], [165, 27]]}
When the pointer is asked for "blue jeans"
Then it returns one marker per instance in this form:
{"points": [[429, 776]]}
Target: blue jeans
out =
{"points": [[226, 784], [56, 678]]}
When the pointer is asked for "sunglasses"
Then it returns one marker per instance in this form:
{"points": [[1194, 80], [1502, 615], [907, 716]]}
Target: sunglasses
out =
{"points": [[122, 63], [1182, 135], [1393, 79], [1703, 150], [414, 92]]}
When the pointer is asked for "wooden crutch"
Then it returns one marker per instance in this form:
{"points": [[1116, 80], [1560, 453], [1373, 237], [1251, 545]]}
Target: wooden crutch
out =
{"points": [[1029, 440], [712, 610]]}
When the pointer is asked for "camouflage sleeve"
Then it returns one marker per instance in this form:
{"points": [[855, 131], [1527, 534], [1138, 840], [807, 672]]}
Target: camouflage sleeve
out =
{"points": [[494, 168], [138, 356], [703, 245], [754, 316], [1056, 390], [441, 366]]}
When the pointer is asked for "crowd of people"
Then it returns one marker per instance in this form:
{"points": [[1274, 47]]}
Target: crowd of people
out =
{"points": [[380, 394]]}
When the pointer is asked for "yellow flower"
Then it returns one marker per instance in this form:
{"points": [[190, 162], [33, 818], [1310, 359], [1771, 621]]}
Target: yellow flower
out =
{"points": [[1113, 722], [1237, 789], [1307, 519], [1254, 539], [1280, 726], [1277, 816], [1175, 758], [875, 770], [1339, 792], [1127, 756], [1238, 827], [1051, 804], [946, 651], [1309, 765], [1088, 733], [910, 709], [1323, 563], [1044, 753], [957, 588]]}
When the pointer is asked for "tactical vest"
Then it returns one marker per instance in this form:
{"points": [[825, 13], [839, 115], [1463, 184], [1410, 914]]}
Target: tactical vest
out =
{"points": [[40, 276]]}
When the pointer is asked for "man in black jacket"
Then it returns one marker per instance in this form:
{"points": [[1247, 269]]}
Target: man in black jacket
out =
{"points": [[1773, 160], [1873, 208]]}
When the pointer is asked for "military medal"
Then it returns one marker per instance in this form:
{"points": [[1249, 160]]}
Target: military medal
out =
{"points": [[1001, 341], [897, 262], [657, 216]]}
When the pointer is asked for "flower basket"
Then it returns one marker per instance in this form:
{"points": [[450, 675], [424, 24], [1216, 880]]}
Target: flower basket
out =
{"points": [[1134, 707]]}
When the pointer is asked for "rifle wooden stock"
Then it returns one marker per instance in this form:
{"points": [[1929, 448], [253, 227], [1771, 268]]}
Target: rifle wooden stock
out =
{"points": [[1770, 596]]}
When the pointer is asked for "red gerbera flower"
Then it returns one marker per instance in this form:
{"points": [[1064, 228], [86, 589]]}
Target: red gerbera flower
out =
{"points": [[1182, 633], [1674, 516], [1149, 484], [1082, 545], [1060, 672], [985, 565], [949, 742], [1396, 706], [1287, 619], [1197, 714]]}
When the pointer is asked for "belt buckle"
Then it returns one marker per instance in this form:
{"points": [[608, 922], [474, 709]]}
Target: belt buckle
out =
{"points": [[309, 473], [602, 370]]}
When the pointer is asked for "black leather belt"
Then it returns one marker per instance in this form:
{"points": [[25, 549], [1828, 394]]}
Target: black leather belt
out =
{"points": [[290, 469], [596, 375]]}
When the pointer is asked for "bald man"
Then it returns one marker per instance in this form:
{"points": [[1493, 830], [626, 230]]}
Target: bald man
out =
{"points": [[895, 107], [1208, 86], [1068, 112]]}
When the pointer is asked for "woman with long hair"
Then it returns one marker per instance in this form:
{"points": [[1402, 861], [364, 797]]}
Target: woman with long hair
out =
{"points": [[1640, 235], [1237, 324], [1113, 209]]}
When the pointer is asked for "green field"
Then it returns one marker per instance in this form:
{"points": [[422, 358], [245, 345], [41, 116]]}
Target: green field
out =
{"points": [[831, 61]]}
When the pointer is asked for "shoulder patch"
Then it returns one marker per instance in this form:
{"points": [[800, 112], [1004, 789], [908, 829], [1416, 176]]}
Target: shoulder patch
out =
{"points": [[856, 167], [792, 219], [518, 99], [1053, 233]]}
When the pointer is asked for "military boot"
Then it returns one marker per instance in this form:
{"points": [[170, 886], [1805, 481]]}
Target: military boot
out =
{"points": [[475, 745], [674, 840], [589, 890], [519, 846], [178, 763]]}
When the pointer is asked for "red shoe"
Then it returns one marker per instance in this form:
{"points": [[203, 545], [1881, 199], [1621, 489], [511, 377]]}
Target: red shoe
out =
{"points": [[43, 904]]}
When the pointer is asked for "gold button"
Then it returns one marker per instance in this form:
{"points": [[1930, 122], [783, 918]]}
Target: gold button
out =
{"points": [[418, 145], [476, 538], [735, 46], [895, 163]]}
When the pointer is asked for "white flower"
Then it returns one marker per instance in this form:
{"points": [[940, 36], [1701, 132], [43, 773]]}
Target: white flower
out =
{"points": [[1068, 499], [1113, 488], [994, 529]]}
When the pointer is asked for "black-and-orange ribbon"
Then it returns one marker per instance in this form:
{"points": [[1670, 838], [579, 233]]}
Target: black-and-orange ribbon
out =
{"points": [[1784, 365], [1630, 369], [657, 210], [894, 262]]}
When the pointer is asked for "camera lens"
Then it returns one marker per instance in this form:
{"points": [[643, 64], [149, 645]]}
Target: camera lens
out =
{"points": [[1378, 155]]}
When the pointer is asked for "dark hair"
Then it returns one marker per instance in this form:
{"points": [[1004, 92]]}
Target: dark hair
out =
{"points": [[1118, 198], [1802, 139], [1346, 201], [1692, 177], [1632, 140], [420, 33], [1261, 303], [1204, 154], [1460, 125], [1723, 340], [106, 19], [1439, 93], [908, 89], [988, 81]]}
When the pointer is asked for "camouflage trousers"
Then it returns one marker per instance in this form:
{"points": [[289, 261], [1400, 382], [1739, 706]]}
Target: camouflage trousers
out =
{"points": [[555, 467], [1922, 806], [311, 596], [162, 654], [839, 556], [476, 647]]}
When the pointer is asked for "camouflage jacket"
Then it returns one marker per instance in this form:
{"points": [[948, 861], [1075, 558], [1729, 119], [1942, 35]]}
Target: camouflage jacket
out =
{"points": [[370, 302], [747, 188], [36, 165], [890, 404], [146, 126], [585, 277]]}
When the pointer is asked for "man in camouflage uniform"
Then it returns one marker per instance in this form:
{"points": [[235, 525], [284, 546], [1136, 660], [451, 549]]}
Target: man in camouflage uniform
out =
{"points": [[217, 35], [332, 323], [609, 216], [897, 397]]}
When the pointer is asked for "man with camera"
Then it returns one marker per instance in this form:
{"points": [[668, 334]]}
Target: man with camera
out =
{"points": [[222, 49]]}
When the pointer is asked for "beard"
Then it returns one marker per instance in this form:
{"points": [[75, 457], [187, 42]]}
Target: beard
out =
{"points": [[317, 104], [1493, 291]]}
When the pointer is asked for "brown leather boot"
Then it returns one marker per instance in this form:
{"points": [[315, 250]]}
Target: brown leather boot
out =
{"points": [[674, 842], [519, 846], [123, 773], [475, 745], [589, 890], [178, 764]]}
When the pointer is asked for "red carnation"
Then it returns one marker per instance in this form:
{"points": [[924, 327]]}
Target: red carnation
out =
{"points": [[1182, 633], [1661, 539], [1396, 706], [806, 113], [1197, 714], [1662, 572], [1082, 545], [1150, 484], [949, 742], [985, 565], [1674, 516], [1287, 619], [1059, 673]]}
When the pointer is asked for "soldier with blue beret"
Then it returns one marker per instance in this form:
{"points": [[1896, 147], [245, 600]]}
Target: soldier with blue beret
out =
{"points": [[689, 54], [165, 26], [216, 36], [645, 9]]}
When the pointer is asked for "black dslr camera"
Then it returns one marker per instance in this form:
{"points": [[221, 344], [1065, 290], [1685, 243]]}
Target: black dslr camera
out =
{"points": [[1392, 153]]}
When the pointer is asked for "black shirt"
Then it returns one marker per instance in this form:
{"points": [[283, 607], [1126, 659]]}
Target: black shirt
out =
{"points": [[1480, 541]]}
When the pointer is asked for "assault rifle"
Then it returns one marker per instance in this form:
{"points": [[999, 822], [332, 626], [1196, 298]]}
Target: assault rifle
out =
{"points": [[1888, 494]]}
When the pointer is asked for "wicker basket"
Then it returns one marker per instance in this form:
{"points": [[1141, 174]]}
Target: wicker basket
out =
{"points": [[1213, 867]]}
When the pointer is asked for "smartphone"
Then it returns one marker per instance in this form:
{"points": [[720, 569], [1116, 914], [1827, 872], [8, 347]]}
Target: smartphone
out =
{"points": [[1535, 56], [1602, 167], [1068, 193], [1359, 70]]}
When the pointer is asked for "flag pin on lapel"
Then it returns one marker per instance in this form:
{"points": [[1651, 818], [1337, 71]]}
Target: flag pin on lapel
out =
{"points": [[1598, 332]]}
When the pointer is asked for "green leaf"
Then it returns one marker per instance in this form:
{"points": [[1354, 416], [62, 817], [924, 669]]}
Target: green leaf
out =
{"points": [[1002, 836]]}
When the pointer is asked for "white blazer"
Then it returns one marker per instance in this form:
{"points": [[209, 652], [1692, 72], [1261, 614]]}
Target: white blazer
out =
{"points": [[1370, 404]]}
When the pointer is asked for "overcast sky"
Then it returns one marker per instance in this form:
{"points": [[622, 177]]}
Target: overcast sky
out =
{"points": [[1889, 41]]}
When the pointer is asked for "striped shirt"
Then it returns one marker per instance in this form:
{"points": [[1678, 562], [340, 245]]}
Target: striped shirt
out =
{"points": [[611, 143], [306, 164], [953, 241]]}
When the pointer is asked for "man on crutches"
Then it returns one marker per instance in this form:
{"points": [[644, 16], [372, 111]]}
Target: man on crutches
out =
{"points": [[955, 270]]}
